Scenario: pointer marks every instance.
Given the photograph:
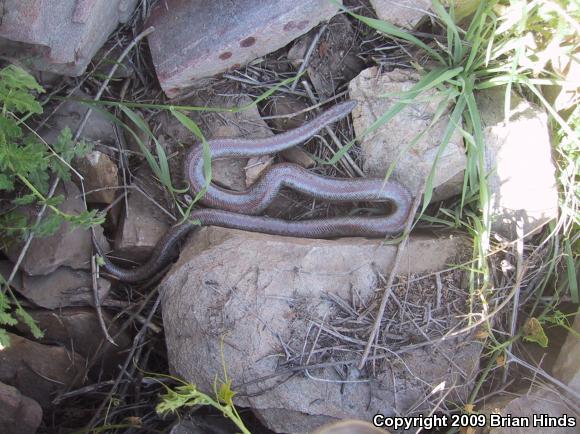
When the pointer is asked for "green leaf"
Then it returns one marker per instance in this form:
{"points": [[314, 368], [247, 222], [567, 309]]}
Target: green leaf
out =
{"points": [[27, 199], [571, 272], [534, 332], [14, 77], [48, 226], [4, 339], [206, 153], [30, 322], [6, 183]]}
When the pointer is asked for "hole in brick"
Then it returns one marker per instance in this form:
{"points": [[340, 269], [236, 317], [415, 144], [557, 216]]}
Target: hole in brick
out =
{"points": [[248, 42]]}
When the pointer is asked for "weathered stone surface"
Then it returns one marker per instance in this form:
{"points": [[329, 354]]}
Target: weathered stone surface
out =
{"points": [[567, 367], [249, 299], [63, 287], [67, 247], [101, 175], [402, 13], [19, 414], [143, 222], [6, 269], [196, 39], [39, 371], [256, 167], [389, 143], [335, 59], [298, 156], [98, 127], [230, 173], [350, 427], [522, 177], [279, 109], [78, 329], [61, 36], [527, 405]]}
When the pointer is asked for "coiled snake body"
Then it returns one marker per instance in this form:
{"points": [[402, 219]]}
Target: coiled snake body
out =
{"points": [[239, 210]]}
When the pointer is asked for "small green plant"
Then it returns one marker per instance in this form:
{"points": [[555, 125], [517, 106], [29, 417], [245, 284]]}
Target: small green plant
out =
{"points": [[26, 167], [187, 395]]}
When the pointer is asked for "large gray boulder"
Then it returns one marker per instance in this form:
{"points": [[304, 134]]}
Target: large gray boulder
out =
{"points": [[262, 306]]}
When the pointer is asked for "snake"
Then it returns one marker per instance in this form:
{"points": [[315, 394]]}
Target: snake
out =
{"points": [[243, 209]]}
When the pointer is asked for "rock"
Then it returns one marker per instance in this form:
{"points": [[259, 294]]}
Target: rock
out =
{"points": [[250, 299], [537, 403], [78, 330], [108, 56], [67, 247], [335, 59], [139, 135], [256, 166], [402, 13], [19, 414], [567, 368], [39, 371], [63, 287], [350, 427], [61, 37], [283, 106], [5, 271], [230, 173], [143, 222], [388, 143], [526, 192], [244, 30], [204, 425], [101, 175], [98, 128], [298, 156]]}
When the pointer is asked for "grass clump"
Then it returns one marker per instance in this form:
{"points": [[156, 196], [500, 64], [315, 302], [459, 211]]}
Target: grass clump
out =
{"points": [[512, 44]]}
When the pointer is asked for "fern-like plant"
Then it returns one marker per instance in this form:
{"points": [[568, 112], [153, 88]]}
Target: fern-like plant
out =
{"points": [[27, 165]]}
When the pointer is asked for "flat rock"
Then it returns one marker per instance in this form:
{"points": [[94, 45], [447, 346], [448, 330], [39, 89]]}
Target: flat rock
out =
{"points": [[567, 368], [39, 371], [334, 60], [19, 414], [61, 36], [350, 427], [402, 13], [528, 405], [279, 109], [254, 303], [62, 288], [69, 247], [389, 143], [231, 173], [143, 222], [98, 127], [196, 39], [519, 192], [101, 178], [78, 330]]}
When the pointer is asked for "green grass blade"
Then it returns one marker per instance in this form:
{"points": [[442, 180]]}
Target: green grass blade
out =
{"points": [[571, 272], [394, 32], [454, 44], [206, 154]]}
